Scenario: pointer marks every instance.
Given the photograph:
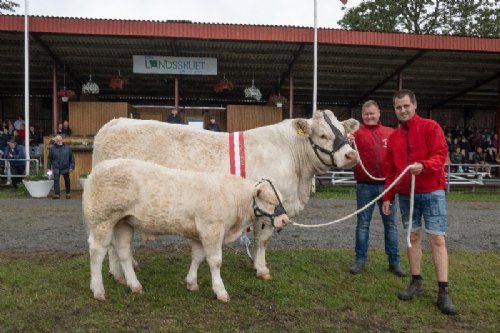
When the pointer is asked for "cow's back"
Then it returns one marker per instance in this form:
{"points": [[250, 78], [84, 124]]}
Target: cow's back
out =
{"points": [[173, 146]]}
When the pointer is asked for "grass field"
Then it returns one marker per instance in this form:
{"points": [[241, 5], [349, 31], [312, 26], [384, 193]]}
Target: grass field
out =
{"points": [[311, 291]]}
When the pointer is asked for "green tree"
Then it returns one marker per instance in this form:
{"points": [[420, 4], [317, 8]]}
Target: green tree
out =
{"points": [[450, 17], [7, 5]]}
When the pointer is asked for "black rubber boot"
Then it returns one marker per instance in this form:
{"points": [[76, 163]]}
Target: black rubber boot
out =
{"points": [[445, 303], [415, 289], [397, 270], [357, 267]]}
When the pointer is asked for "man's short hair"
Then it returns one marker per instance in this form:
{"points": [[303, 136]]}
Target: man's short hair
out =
{"points": [[405, 92], [11, 141], [369, 103]]}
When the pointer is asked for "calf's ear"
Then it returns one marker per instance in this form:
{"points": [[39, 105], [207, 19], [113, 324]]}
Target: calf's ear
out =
{"points": [[302, 127], [350, 125]]}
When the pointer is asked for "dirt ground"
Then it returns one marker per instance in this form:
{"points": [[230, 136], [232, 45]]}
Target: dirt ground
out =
{"points": [[32, 225]]}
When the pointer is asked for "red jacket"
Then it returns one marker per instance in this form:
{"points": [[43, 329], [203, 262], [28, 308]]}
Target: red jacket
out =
{"points": [[419, 140], [371, 141]]}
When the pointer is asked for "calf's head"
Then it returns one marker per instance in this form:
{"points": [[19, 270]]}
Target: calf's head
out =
{"points": [[267, 205], [327, 138]]}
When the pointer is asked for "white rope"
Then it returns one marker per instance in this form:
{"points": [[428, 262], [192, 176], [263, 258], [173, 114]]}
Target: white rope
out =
{"points": [[371, 203]]}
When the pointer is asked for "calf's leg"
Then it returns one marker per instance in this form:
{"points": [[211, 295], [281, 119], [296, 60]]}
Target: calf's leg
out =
{"points": [[261, 240], [115, 267], [197, 256], [213, 250], [97, 249], [122, 240]]}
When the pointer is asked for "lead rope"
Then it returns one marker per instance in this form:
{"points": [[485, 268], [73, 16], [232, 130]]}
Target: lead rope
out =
{"points": [[371, 203]]}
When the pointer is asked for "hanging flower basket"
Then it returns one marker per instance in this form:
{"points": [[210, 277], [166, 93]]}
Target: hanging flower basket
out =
{"points": [[277, 100], [117, 82], [253, 92], [223, 85], [90, 88], [65, 94]]}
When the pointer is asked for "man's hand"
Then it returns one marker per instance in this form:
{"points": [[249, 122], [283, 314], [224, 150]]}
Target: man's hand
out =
{"points": [[386, 207], [70, 170], [416, 168]]}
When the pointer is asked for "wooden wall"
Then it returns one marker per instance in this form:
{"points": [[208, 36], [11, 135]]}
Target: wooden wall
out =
{"points": [[244, 117], [161, 114], [86, 118]]}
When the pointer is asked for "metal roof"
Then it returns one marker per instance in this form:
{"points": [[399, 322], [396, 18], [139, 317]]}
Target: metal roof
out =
{"points": [[351, 64]]}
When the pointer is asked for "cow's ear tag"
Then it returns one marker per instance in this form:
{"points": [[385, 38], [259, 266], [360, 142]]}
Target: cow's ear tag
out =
{"points": [[300, 131]]}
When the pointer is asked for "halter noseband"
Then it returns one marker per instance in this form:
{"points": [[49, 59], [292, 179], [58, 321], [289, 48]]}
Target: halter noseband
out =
{"points": [[278, 209], [338, 143]]}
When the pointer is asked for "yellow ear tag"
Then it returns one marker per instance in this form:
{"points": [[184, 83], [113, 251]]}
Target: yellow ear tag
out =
{"points": [[300, 131]]}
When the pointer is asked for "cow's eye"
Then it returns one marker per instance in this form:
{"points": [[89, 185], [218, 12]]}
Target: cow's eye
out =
{"points": [[323, 137]]}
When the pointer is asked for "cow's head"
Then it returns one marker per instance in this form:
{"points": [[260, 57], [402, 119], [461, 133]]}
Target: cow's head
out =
{"points": [[327, 138], [267, 205]]}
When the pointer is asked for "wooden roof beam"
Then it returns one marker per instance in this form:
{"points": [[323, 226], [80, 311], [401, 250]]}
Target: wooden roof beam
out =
{"points": [[284, 76], [388, 78], [466, 90], [56, 59]]}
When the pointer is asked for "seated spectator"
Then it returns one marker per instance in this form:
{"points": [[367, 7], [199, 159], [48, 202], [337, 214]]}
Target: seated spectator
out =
{"points": [[465, 144], [456, 158], [465, 159], [174, 117], [65, 130], [19, 122], [10, 127], [59, 129], [13, 152], [22, 132], [492, 149], [35, 136], [213, 126], [479, 158], [4, 138], [17, 138]]}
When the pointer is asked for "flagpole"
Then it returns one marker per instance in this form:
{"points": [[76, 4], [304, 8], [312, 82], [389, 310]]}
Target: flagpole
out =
{"points": [[315, 65], [26, 86]]}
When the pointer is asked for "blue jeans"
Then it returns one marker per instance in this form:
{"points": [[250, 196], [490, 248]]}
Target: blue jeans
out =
{"points": [[364, 194], [431, 206], [57, 176]]}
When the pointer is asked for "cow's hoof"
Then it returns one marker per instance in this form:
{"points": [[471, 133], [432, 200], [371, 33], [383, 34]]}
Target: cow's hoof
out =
{"points": [[121, 280], [137, 290], [264, 276], [192, 286], [223, 298], [100, 297]]}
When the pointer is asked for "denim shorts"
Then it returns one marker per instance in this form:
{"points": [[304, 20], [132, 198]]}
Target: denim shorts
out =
{"points": [[431, 206]]}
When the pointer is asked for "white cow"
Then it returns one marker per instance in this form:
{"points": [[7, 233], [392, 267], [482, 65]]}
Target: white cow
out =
{"points": [[289, 153], [123, 194]]}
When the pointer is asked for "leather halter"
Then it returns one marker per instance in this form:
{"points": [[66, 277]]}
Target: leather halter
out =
{"points": [[338, 143], [278, 209]]}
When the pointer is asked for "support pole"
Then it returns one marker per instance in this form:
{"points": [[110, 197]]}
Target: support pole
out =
{"points": [[26, 85], [290, 99], [315, 79], [55, 103], [498, 112], [176, 92]]}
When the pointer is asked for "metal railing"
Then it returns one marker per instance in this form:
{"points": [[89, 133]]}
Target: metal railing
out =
{"points": [[5, 167], [456, 174]]}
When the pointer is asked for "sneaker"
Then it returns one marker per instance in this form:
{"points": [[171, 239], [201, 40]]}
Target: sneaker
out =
{"points": [[415, 289], [56, 197], [357, 267], [68, 196], [397, 270], [445, 303]]}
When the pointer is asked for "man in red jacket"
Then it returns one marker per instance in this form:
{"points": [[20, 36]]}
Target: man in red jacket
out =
{"points": [[420, 143], [371, 141]]}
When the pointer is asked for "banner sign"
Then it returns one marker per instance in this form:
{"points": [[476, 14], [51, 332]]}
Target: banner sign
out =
{"points": [[146, 64]]}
